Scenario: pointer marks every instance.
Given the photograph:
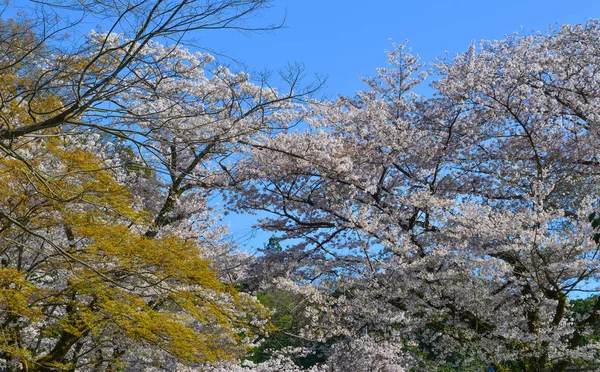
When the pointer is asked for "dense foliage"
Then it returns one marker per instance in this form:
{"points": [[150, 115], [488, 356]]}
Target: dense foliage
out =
{"points": [[448, 232], [110, 147], [456, 224]]}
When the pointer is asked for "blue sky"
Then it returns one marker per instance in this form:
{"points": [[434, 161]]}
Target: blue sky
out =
{"points": [[344, 40]]}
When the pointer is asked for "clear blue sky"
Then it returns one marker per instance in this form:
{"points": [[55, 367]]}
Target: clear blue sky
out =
{"points": [[346, 39]]}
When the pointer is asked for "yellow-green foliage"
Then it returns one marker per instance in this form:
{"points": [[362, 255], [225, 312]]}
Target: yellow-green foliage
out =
{"points": [[110, 279]]}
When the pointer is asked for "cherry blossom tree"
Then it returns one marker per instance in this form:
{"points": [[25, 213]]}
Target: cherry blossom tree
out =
{"points": [[456, 226], [412, 232], [110, 149]]}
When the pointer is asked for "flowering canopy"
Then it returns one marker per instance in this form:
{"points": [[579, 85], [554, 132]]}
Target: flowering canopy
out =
{"points": [[411, 232], [458, 223]]}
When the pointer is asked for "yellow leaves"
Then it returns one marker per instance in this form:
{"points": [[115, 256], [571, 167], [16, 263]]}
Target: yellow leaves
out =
{"points": [[25, 97], [85, 178], [166, 329], [17, 295], [20, 106], [10, 348], [18, 299], [109, 278], [113, 310], [61, 180], [169, 257], [179, 291]]}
